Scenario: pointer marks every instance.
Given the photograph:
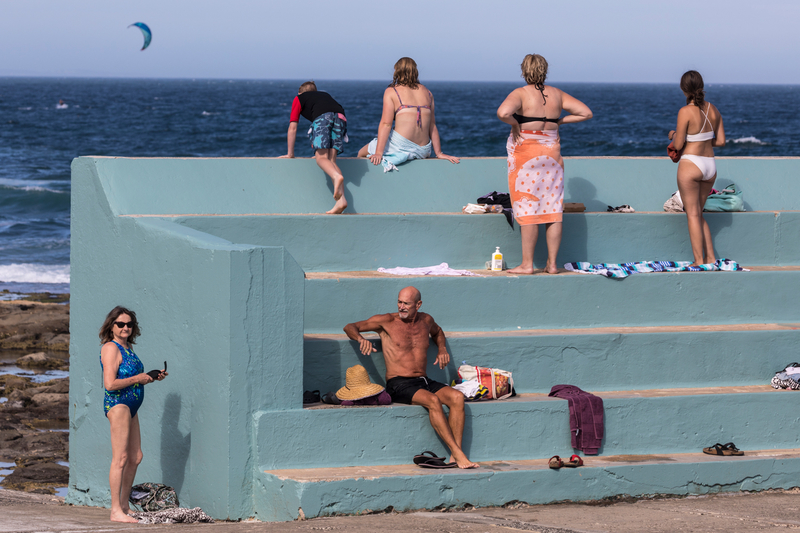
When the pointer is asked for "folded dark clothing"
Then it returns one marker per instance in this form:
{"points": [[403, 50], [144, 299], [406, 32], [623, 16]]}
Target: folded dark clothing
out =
{"points": [[499, 198], [382, 398], [585, 417]]}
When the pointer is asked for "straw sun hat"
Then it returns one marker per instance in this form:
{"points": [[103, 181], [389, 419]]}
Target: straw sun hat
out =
{"points": [[358, 385]]}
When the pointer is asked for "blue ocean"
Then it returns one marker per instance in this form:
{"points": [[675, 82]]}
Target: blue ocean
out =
{"points": [[248, 118]]}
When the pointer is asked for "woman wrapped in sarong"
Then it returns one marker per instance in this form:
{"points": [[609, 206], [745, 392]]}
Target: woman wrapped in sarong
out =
{"points": [[408, 104], [535, 165]]}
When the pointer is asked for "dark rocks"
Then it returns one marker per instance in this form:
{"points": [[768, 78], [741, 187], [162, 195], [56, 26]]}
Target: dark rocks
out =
{"points": [[37, 477], [40, 360], [32, 325]]}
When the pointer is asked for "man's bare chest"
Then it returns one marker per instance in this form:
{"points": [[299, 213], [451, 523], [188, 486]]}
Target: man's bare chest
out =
{"points": [[409, 336]]}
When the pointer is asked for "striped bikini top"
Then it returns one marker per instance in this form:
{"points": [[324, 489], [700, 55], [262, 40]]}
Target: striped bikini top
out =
{"points": [[703, 135], [419, 107]]}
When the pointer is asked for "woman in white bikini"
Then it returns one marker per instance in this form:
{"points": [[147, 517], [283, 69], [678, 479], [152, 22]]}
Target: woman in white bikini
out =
{"points": [[697, 169]]}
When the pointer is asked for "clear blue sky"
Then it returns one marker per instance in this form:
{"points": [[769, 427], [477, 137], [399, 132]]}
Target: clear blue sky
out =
{"points": [[729, 41]]}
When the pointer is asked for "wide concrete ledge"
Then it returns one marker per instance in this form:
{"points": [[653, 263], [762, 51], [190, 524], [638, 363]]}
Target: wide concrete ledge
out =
{"points": [[503, 302], [326, 492], [341, 437], [595, 358], [314, 475], [361, 242]]}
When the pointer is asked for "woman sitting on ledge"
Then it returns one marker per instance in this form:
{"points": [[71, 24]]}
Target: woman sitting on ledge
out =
{"points": [[408, 104]]}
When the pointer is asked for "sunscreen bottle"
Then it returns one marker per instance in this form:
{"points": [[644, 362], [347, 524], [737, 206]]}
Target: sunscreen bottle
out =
{"points": [[497, 260]]}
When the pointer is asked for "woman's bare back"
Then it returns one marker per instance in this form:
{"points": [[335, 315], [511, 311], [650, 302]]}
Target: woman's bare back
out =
{"points": [[406, 121]]}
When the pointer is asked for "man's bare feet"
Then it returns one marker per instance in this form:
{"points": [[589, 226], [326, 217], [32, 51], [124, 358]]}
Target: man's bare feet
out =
{"points": [[551, 269], [464, 462], [341, 205], [120, 516], [338, 188], [520, 270]]}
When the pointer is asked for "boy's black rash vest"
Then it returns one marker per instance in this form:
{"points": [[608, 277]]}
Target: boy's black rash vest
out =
{"points": [[316, 103]]}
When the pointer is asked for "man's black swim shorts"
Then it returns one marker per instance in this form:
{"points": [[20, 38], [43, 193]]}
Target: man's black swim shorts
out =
{"points": [[403, 389]]}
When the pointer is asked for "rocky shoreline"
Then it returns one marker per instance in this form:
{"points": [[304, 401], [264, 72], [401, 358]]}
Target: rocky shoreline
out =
{"points": [[34, 438]]}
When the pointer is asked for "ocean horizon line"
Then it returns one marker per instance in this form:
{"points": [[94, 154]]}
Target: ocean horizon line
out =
{"points": [[356, 80]]}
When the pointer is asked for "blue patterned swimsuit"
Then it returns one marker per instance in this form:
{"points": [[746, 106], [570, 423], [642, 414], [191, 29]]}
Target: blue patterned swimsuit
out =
{"points": [[131, 396]]}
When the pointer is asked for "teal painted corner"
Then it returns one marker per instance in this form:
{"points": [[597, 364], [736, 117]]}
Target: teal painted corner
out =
{"points": [[215, 268]]}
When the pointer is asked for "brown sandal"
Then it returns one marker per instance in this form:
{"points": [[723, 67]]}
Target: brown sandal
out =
{"points": [[574, 461], [555, 462]]}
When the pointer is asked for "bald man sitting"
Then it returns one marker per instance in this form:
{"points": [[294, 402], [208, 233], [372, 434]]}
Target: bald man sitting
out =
{"points": [[406, 336]]}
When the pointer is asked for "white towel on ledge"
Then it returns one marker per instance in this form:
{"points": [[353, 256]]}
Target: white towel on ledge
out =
{"points": [[437, 270]]}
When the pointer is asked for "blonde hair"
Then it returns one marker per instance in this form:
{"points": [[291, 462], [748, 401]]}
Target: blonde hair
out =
{"points": [[405, 73], [307, 86], [534, 70]]}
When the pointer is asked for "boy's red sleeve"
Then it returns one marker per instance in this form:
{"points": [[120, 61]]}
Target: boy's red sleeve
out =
{"points": [[295, 116]]}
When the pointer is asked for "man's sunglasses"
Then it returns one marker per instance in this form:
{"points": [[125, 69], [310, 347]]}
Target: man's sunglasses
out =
{"points": [[121, 325]]}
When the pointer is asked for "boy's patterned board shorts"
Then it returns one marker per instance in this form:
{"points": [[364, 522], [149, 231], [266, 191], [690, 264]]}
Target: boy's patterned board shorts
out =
{"points": [[328, 130]]}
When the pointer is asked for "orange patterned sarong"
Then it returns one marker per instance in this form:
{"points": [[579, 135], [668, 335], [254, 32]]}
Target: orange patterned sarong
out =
{"points": [[536, 177]]}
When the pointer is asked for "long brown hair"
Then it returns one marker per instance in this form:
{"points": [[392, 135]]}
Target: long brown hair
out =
{"points": [[405, 73], [107, 329], [692, 85]]}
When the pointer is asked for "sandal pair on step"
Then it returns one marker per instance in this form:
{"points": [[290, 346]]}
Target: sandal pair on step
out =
{"points": [[430, 460], [556, 462], [723, 449]]}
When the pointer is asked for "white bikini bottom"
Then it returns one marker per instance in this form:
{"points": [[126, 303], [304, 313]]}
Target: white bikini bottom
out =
{"points": [[706, 165]]}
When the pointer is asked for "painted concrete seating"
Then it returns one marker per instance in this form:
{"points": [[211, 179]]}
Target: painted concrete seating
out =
{"points": [[244, 289]]}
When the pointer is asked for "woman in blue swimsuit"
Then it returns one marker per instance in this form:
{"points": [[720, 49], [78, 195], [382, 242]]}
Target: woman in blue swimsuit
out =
{"points": [[123, 381]]}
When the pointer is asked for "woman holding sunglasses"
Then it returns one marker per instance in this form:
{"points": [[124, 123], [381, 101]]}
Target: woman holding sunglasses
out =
{"points": [[123, 380]]}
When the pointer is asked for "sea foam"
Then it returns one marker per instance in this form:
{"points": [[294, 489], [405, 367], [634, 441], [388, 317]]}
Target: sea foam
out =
{"points": [[34, 273], [748, 140]]}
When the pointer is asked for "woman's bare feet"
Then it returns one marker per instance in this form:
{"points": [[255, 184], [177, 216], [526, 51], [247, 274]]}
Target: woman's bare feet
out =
{"points": [[521, 270], [341, 205], [118, 515]]}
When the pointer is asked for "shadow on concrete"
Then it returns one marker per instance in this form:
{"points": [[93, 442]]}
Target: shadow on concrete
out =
{"points": [[175, 447], [583, 191], [354, 171]]}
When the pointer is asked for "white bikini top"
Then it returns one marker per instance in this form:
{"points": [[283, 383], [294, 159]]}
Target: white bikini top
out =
{"points": [[703, 135]]}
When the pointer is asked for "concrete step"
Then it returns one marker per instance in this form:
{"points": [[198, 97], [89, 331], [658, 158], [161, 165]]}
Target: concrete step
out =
{"points": [[502, 302], [368, 241], [610, 358], [531, 426], [405, 487]]}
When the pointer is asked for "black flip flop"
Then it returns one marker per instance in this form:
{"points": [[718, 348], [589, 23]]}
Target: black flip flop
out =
{"points": [[731, 449], [426, 456], [436, 462], [331, 398], [311, 396]]}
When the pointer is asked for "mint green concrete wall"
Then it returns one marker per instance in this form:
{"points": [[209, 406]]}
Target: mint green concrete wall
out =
{"points": [[521, 430], [450, 490], [227, 318], [594, 362], [226, 303], [367, 242], [550, 302], [269, 185]]}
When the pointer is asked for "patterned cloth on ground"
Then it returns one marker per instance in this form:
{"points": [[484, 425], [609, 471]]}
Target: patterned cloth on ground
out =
{"points": [[437, 270], [174, 516], [623, 270], [399, 150], [536, 177], [782, 381]]}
